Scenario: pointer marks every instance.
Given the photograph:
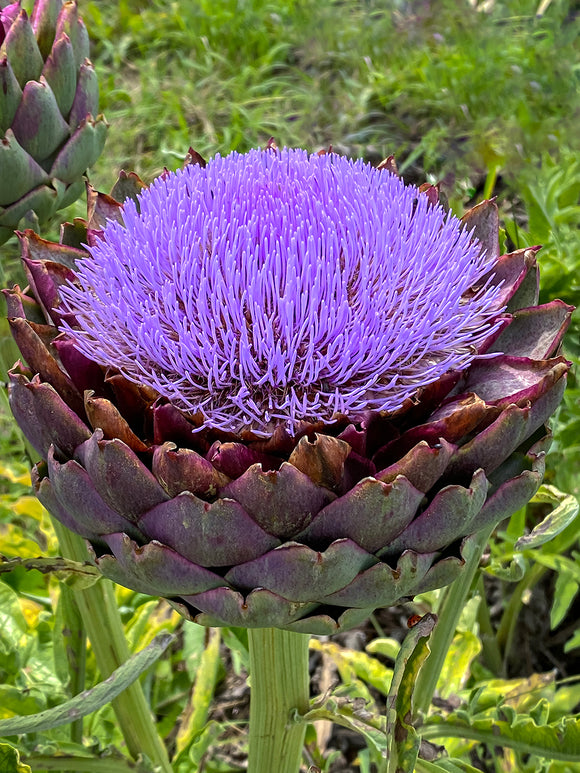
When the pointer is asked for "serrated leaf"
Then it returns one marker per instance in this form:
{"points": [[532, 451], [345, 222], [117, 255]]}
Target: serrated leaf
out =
{"points": [[90, 700], [353, 663], [10, 760], [565, 509], [558, 741]]}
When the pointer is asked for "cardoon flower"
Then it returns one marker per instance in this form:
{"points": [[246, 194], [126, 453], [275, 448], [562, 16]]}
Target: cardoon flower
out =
{"points": [[280, 389]]}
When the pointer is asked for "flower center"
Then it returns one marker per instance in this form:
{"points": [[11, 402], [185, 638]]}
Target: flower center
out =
{"points": [[274, 287]]}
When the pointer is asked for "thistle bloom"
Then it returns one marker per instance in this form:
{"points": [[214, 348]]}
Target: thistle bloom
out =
{"points": [[282, 390], [276, 287]]}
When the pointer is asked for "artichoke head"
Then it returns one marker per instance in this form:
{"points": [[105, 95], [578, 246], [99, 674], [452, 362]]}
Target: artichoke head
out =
{"points": [[49, 97], [308, 531]]}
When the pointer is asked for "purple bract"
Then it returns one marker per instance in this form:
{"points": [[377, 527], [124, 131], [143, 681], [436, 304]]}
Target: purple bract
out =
{"points": [[277, 286]]}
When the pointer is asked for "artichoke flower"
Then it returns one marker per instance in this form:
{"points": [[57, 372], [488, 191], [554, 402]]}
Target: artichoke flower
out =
{"points": [[280, 389], [48, 112]]}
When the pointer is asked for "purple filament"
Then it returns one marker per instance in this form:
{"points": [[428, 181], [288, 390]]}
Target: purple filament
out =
{"points": [[275, 287]]}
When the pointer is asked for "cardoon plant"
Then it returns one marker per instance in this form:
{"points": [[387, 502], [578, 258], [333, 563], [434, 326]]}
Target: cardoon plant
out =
{"points": [[282, 390]]}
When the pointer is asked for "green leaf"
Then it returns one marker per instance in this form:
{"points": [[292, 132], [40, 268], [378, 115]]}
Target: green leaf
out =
{"points": [[351, 714], [464, 648], [206, 738], [444, 766], [236, 640], [109, 763], [402, 739], [573, 643], [388, 648], [14, 700], [540, 713], [512, 572], [558, 741], [194, 716], [90, 700], [150, 620], [353, 664], [564, 594], [520, 694], [565, 700], [193, 646], [565, 509], [10, 760], [12, 621], [559, 563]]}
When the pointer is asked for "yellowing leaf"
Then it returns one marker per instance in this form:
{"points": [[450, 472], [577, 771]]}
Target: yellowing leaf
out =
{"points": [[16, 473], [10, 760], [30, 506], [14, 543], [194, 716], [359, 664], [31, 611], [464, 648]]}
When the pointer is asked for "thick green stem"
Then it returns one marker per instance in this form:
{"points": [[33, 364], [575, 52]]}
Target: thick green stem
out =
{"points": [[280, 683], [448, 614], [75, 642], [98, 608]]}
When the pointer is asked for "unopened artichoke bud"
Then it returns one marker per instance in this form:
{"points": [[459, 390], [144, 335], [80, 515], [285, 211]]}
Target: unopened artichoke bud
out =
{"points": [[281, 389], [49, 96]]}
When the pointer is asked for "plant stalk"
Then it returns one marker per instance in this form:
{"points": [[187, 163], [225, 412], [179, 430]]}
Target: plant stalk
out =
{"points": [[280, 683], [100, 615]]}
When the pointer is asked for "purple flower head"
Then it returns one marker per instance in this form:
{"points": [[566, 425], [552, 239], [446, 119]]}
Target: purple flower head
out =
{"points": [[275, 287]]}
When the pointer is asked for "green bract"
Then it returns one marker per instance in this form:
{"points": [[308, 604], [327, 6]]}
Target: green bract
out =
{"points": [[48, 103]]}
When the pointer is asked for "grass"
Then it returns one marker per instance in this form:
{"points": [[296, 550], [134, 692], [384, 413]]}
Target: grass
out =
{"points": [[451, 91]]}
